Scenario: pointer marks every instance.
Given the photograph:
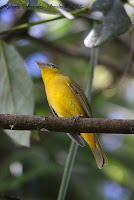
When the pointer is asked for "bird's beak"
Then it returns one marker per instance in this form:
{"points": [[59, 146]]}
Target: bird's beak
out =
{"points": [[41, 65]]}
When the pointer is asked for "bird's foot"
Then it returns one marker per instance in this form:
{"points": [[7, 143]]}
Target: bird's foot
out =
{"points": [[78, 117]]}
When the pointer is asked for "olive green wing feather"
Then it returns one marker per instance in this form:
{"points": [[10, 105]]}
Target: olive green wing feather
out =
{"points": [[75, 137], [82, 98], [100, 156]]}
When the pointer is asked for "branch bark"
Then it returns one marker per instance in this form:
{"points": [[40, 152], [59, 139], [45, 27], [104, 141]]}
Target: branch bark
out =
{"points": [[73, 125], [66, 51], [76, 52]]}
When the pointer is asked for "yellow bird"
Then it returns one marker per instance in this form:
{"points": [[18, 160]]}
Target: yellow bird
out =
{"points": [[66, 99]]}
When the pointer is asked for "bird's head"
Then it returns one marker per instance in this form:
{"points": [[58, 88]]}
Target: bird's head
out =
{"points": [[49, 67]]}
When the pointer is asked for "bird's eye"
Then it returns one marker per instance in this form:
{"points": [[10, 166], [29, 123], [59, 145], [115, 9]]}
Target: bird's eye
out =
{"points": [[53, 66]]}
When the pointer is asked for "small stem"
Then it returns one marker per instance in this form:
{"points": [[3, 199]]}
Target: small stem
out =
{"points": [[66, 125], [93, 61], [67, 170], [28, 25], [74, 147]]}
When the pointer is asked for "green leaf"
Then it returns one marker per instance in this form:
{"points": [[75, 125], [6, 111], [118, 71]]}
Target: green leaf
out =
{"points": [[114, 23], [19, 3], [131, 2], [42, 5], [130, 11], [16, 92], [3, 3]]}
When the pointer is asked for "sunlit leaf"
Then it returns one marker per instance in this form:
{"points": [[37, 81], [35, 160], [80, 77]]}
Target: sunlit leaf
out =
{"points": [[130, 11], [114, 23], [16, 92], [59, 6], [3, 2], [131, 2], [40, 5]]}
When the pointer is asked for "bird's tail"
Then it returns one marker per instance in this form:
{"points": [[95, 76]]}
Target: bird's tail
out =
{"points": [[96, 148]]}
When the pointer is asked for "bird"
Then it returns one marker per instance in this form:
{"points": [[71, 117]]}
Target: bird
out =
{"points": [[67, 99]]}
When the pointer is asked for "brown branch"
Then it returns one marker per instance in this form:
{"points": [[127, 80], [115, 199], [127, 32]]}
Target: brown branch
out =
{"points": [[76, 52], [67, 51], [73, 125]]}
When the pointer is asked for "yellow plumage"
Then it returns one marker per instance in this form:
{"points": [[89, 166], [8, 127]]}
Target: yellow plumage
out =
{"points": [[66, 99]]}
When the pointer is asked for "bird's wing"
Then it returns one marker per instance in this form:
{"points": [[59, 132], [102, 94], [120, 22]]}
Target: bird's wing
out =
{"points": [[98, 152], [82, 98], [75, 137]]}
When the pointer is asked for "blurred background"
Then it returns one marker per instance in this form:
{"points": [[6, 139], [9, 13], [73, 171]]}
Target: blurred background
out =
{"points": [[35, 173]]}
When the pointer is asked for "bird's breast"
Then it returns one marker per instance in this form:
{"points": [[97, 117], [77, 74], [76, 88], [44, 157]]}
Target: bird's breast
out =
{"points": [[62, 99]]}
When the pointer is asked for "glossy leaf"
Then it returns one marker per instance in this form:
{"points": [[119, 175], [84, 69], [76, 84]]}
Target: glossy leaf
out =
{"points": [[114, 23], [40, 5], [16, 92], [3, 2]]}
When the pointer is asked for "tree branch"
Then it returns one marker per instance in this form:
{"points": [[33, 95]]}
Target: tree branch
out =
{"points": [[73, 125], [68, 51], [76, 52], [25, 26], [20, 31]]}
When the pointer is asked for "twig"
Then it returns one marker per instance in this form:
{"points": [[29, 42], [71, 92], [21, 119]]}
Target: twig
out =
{"points": [[73, 125], [67, 170], [75, 52], [66, 51], [30, 24], [93, 62]]}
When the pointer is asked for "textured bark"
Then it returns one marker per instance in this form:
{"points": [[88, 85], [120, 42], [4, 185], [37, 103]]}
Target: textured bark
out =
{"points": [[72, 125]]}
